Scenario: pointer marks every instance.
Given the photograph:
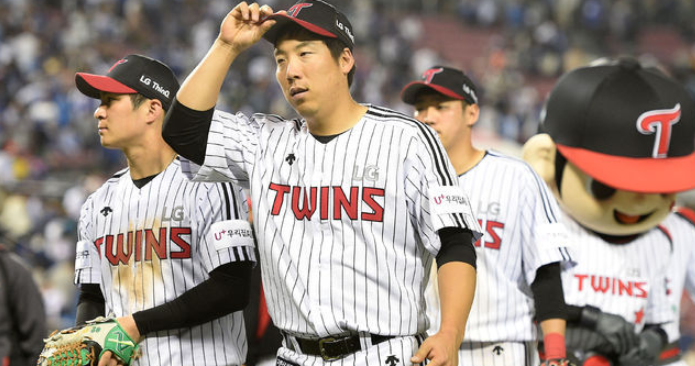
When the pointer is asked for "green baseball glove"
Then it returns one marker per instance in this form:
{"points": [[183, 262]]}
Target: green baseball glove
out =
{"points": [[84, 344]]}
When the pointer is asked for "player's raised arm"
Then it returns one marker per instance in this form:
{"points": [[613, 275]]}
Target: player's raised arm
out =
{"points": [[241, 28], [188, 122]]}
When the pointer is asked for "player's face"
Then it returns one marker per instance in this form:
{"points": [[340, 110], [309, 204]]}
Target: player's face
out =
{"points": [[118, 121], [308, 75], [445, 115], [610, 211]]}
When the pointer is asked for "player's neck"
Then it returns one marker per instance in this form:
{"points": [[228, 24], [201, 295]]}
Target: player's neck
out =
{"points": [[149, 159], [336, 119], [464, 157]]}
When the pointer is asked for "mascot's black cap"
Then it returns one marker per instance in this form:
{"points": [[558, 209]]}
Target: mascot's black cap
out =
{"points": [[627, 126]]}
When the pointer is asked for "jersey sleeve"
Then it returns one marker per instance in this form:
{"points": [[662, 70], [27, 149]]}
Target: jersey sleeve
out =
{"points": [[224, 231], [540, 217], [87, 258], [435, 198], [229, 155]]}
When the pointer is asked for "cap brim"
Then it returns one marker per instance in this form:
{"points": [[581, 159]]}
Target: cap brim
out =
{"points": [[646, 175], [90, 85], [410, 91], [281, 19]]}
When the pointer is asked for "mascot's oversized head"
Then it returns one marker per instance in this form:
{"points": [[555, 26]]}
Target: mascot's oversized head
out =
{"points": [[616, 143]]}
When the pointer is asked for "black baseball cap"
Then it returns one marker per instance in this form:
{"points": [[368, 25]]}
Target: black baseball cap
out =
{"points": [[316, 16], [629, 127], [445, 80], [130, 75]]}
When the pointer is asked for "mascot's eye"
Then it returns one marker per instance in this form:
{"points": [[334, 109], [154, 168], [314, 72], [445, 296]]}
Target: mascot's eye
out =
{"points": [[600, 190]]}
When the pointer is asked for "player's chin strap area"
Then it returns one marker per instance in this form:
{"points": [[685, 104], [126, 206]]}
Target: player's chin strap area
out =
{"points": [[335, 347]]}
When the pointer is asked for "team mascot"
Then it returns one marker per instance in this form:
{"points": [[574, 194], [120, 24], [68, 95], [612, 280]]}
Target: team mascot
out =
{"points": [[615, 146]]}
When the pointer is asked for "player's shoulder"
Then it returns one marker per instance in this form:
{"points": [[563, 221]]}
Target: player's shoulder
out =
{"points": [[510, 164], [114, 179], [274, 121], [410, 128], [262, 119], [198, 187], [378, 114], [100, 193]]}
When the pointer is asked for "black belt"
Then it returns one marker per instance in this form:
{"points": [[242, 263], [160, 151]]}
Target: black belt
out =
{"points": [[332, 348]]}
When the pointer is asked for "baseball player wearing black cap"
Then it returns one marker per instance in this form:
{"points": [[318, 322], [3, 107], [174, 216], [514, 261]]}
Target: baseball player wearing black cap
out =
{"points": [[152, 247], [523, 245], [617, 144], [351, 202]]}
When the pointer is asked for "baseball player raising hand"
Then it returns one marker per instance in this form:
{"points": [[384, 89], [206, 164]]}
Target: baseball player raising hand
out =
{"points": [[351, 202], [169, 257]]}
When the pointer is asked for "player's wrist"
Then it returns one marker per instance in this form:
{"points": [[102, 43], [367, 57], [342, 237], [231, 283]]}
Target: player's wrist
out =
{"points": [[452, 333], [229, 50], [130, 326], [554, 346]]}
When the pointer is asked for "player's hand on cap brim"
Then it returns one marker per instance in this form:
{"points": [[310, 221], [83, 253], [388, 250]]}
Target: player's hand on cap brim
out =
{"points": [[245, 25]]}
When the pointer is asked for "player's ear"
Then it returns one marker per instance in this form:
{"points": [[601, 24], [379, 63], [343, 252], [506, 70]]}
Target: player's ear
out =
{"points": [[472, 112], [539, 152], [346, 60], [155, 110]]}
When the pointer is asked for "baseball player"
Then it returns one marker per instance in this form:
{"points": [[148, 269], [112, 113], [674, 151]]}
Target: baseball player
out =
{"points": [[170, 258], [617, 146], [523, 244], [351, 202]]}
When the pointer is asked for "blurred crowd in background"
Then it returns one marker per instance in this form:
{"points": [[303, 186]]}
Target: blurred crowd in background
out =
{"points": [[51, 159]]}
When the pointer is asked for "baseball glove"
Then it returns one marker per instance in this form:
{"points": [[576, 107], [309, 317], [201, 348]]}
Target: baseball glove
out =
{"points": [[83, 345]]}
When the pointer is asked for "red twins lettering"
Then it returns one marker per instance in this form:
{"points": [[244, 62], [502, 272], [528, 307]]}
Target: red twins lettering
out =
{"points": [[121, 252], [612, 285], [351, 202], [659, 122]]}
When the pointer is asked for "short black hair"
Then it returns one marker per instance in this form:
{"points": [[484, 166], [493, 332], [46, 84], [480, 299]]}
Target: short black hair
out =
{"points": [[335, 46], [137, 99]]}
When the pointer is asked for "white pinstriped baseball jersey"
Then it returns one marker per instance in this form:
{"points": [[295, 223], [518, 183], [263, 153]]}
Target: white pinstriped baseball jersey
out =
{"points": [[624, 279], [148, 246], [346, 229], [681, 270], [519, 217]]}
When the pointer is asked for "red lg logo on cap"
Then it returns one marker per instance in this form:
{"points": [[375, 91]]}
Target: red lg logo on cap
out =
{"points": [[659, 122]]}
